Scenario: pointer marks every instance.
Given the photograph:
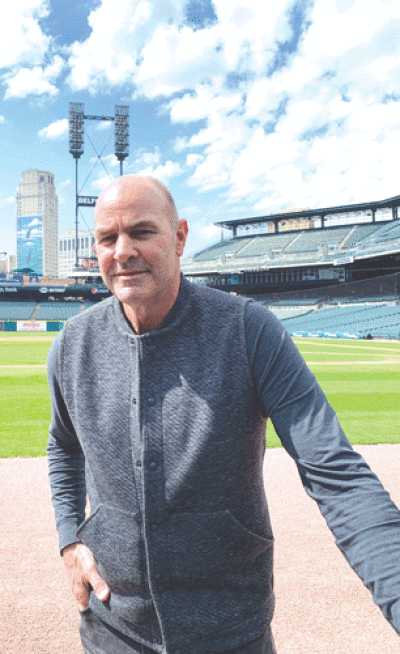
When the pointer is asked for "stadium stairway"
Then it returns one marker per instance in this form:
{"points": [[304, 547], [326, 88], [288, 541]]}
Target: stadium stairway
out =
{"points": [[34, 312]]}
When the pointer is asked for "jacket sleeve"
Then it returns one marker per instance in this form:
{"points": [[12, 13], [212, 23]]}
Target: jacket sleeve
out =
{"points": [[65, 459], [364, 520]]}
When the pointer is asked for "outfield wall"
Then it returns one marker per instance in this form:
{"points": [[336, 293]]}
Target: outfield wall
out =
{"points": [[31, 326]]}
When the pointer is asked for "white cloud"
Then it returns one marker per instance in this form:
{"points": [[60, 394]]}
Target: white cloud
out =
{"points": [[34, 81], [194, 160], [63, 184], [120, 29], [148, 158], [202, 104], [10, 200], [22, 40], [55, 130], [149, 46], [332, 137], [104, 125], [276, 130], [102, 181], [164, 173], [2, 119]]}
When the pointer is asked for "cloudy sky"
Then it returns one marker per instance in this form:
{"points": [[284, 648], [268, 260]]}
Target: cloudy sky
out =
{"points": [[241, 108]]}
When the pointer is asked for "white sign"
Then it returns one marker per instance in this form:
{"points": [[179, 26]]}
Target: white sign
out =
{"points": [[31, 326]]}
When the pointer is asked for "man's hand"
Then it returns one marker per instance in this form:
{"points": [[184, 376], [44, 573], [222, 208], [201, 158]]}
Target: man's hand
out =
{"points": [[82, 574]]}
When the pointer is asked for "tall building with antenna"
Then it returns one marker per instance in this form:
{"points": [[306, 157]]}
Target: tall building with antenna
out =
{"points": [[37, 223]]}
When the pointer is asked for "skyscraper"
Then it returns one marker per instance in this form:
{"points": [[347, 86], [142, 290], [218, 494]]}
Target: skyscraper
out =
{"points": [[37, 223]]}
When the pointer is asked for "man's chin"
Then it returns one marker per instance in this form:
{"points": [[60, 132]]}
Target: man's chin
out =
{"points": [[130, 292]]}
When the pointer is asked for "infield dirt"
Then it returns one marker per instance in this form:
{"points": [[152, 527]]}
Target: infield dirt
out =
{"points": [[322, 607]]}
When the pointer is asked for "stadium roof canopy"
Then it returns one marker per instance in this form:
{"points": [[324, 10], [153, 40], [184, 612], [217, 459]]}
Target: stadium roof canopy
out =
{"points": [[390, 203]]}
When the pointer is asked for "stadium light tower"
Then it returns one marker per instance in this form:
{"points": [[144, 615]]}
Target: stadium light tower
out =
{"points": [[77, 117], [121, 135], [76, 148]]}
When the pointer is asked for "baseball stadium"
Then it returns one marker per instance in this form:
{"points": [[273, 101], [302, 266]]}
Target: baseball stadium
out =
{"points": [[332, 276]]}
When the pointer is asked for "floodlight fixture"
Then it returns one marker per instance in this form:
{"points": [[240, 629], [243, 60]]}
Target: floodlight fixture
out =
{"points": [[76, 128], [121, 133]]}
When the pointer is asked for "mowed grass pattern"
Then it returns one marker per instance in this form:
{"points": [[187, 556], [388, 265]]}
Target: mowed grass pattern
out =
{"points": [[24, 394], [361, 380]]}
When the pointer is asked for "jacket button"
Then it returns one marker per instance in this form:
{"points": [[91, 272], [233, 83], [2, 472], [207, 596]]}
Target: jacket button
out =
{"points": [[138, 463], [153, 465], [150, 401]]}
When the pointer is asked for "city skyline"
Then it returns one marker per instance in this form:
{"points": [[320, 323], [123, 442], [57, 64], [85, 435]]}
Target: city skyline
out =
{"points": [[240, 109]]}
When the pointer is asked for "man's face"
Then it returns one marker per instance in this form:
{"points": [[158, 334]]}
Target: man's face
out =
{"points": [[137, 246]]}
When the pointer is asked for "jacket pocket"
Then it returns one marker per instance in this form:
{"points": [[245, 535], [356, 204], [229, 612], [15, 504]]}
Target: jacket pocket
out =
{"points": [[114, 538], [208, 546]]}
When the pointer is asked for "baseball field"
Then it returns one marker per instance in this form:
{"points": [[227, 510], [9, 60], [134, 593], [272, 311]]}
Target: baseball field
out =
{"points": [[360, 378]]}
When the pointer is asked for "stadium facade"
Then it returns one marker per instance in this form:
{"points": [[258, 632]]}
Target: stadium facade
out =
{"points": [[37, 223], [326, 273], [272, 254]]}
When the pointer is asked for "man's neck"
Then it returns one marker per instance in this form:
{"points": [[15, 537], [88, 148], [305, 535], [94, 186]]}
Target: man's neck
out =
{"points": [[145, 319]]}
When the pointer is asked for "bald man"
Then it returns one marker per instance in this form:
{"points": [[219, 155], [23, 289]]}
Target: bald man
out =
{"points": [[160, 396]]}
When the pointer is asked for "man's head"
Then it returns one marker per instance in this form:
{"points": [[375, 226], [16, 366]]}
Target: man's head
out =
{"points": [[139, 240]]}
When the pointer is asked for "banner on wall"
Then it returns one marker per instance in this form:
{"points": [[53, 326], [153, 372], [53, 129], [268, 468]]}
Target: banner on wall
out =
{"points": [[31, 325], [30, 243]]}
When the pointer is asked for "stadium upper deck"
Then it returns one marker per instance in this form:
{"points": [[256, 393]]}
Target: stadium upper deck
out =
{"points": [[340, 244]]}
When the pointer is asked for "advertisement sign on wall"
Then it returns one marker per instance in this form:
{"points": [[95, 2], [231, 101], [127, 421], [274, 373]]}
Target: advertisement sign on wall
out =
{"points": [[31, 325], [30, 243]]}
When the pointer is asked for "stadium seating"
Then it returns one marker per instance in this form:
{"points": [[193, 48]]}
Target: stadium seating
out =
{"points": [[283, 313], [16, 310], [310, 240], [265, 243], [358, 234], [223, 248], [298, 246], [57, 310], [379, 320]]}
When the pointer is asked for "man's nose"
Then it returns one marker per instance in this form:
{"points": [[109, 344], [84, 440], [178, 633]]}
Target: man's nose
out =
{"points": [[124, 248]]}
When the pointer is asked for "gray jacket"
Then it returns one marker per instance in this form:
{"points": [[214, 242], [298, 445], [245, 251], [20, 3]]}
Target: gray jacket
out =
{"points": [[169, 427]]}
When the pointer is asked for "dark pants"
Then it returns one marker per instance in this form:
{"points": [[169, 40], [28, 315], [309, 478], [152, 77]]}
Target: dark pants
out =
{"points": [[99, 638]]}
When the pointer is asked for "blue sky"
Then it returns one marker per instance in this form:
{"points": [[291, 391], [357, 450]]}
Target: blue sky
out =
{"points": [[240, 108]]}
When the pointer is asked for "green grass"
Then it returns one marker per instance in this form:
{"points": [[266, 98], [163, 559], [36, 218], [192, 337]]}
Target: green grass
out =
{"points": [[20, 353], [24, 394], [25, 412], [365, 396]]}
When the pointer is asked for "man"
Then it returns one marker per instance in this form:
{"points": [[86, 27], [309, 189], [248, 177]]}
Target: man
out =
{"points": [[159, 400]]}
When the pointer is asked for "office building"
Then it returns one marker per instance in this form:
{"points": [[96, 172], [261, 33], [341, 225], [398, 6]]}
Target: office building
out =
{"points": [[37, 223], [7, 262], [67, 253]]}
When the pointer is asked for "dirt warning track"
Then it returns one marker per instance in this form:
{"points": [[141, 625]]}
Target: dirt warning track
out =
{"points": [[322, 607]]}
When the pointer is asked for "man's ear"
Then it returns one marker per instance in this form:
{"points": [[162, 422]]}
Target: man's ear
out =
{"points": [[181, 232]]}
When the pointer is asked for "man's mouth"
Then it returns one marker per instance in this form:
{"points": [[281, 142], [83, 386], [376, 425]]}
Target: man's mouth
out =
{"points": [[130, 273]]}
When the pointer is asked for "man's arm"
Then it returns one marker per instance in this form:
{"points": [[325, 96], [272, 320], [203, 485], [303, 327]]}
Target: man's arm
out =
{"points": [[358, 510], [67, 481]]}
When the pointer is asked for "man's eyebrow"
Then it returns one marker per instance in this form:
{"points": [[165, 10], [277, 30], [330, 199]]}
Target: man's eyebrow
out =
{"points": [[100, 231]]}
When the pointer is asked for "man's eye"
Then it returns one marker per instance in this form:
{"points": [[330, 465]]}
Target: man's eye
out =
{"points": [[142, 233], [110, 238]]}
